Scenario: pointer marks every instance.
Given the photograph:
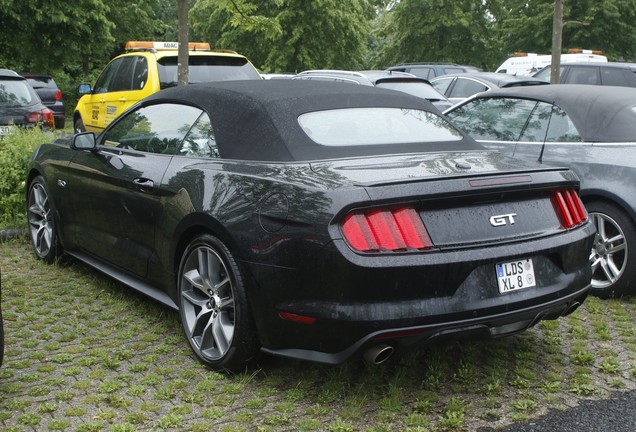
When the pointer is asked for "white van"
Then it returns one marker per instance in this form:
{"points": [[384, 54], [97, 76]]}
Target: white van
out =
{"points": [[529, 63]]}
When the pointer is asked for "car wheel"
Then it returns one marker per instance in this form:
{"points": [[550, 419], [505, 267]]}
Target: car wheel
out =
{"points": [[79, 125], [612, 269], [42, 228], [60, 122], [213, 306]]}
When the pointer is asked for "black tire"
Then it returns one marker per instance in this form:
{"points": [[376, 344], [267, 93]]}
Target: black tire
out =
{"points": [[79, 125], [60, 122], [42, 224], [214, 310], [613, 269]]}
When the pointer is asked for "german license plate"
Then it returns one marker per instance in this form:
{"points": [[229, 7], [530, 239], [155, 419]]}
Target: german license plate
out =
{"points": [[515, 275], [6, 130]]}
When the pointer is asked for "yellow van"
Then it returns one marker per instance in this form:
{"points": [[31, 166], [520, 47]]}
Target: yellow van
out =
{"points": [[146, 68]]}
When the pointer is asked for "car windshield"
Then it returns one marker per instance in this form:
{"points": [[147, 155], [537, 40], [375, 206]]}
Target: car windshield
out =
{"points": [[16, 93], [418, 89], [206, 69], [376, 126]]}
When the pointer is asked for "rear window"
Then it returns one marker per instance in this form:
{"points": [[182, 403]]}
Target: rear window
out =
{"points": [[16, 93], [419, 89], [376, 126], [41, 82], [207, 69]]}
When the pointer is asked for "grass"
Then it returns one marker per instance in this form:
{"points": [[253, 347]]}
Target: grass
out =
{"points": [[84, 353]]}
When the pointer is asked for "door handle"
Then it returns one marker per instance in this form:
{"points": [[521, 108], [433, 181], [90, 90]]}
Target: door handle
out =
{"points": [[144, 184]]}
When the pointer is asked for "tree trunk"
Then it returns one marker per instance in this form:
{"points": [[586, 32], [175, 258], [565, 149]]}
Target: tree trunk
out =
{"points": [[557, 34], [182, 67]]}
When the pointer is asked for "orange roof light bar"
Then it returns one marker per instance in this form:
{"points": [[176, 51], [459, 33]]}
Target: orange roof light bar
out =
{"points": [[584, 51], [192, 46]]}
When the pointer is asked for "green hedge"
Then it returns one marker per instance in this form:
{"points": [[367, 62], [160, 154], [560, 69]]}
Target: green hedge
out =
{"points": [[15, 152]]}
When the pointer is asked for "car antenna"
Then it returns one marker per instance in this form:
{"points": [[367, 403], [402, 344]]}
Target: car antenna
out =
{"points": [[545, 137]]}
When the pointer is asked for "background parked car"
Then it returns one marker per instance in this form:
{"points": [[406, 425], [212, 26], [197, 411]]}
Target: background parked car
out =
{"points": [[592, 130], [393, 80], [527, 64], [457, 87], [144, 69], [609, 74], [312, 220], [434, 69], [20, 106], [50, 95]]}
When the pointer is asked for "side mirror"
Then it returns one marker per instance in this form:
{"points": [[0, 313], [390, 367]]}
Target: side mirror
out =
{"points": [[83, 141], [84, 89]]}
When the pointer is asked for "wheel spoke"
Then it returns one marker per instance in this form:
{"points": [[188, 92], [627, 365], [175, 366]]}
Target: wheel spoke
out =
{"points": [[195, 299], [222, 330], [43, 238], [610, 270], [193, 277]]}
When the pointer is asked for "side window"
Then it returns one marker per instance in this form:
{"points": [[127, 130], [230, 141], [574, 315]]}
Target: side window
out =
{"points": [[104, 81], [538, 122], [617, 77], [583, 75], [422, 72], [494, 119], [464, 88], [153, 128], [140, 75], [453, 70], [201, 141], [561, 128], [122, 81], [442, 84]]}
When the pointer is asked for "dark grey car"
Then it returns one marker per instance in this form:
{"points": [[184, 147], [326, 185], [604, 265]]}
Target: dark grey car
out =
{"points": [[393, 80], [608, 74], [592, 130], [459, 86], [51, 96]]}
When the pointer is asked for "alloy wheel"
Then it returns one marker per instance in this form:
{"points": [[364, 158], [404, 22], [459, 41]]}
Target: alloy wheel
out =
{"points": [[207, 302], [609, 253], [41, 224]]}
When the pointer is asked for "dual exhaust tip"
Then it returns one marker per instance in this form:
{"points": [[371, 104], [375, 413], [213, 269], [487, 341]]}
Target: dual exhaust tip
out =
{"points": [[378, 354]]}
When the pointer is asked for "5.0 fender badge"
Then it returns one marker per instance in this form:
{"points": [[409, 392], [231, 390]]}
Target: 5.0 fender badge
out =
{"points": [[503, 219]]}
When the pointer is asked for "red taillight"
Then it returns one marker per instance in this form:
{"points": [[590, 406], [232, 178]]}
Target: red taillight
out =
{"points": [[58, 95], [378, 230], [570, 208], [44, 116]]}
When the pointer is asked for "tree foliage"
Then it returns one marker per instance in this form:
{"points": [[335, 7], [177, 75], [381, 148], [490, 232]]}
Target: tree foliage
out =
{"points": [[606, 25], [436, 30], [289, 35], [73, 40]]}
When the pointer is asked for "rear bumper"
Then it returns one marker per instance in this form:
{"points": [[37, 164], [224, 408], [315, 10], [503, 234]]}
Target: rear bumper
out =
{"points": [[496, 325], [353, 303]]}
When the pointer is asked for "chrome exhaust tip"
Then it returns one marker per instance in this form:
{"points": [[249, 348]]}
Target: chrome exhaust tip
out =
{"points": [[574, 306], [378, 354]]}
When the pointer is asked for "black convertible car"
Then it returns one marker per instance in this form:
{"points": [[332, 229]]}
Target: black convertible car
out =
{"points": [[589, 129], [312, 220]]}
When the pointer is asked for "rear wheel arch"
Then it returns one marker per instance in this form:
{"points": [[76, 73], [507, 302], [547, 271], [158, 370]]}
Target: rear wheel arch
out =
{"points": [[195, 225]]}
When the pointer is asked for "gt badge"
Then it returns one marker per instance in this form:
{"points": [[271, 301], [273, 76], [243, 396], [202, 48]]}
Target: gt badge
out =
{"points": [[503, 219]]}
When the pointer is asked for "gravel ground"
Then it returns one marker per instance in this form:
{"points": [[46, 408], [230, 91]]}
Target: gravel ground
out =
{"points": [[84, 353]]}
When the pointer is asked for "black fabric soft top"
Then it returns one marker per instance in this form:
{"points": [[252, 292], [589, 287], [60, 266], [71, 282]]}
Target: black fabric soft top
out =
{"points": [[257, 120], [600, 113]]}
